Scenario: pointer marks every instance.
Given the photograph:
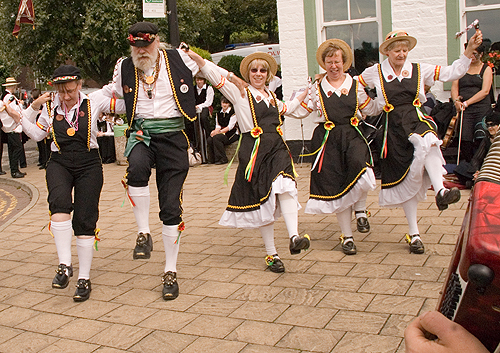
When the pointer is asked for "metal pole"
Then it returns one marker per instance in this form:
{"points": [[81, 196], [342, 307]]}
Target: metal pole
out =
{"points": [[173, 24]]}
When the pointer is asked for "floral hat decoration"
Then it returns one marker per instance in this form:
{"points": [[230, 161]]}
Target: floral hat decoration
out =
{"points": [[396, 35], [142, 34]]}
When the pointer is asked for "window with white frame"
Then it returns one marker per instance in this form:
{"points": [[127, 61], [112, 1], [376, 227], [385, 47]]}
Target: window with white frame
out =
{"points": [[357, 22], [488, 13]]}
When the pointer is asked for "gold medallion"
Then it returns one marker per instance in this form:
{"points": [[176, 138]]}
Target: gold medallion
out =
{"points": [[71, 131], [344, 91], [150, 80]]}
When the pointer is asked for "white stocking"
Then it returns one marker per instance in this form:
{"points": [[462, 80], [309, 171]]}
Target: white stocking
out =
{"points": [[344, 219], [290, 213], [170, 235], [267, 233], [63, 234], [434, 168], [141, 198], [85, 249], [410, 208]]}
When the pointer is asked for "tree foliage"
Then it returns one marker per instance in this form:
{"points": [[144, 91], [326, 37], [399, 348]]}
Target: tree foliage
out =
{"points": [[91, 34]]}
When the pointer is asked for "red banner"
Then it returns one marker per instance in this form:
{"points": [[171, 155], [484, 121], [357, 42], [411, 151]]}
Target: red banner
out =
{"points": [[25, 14]]}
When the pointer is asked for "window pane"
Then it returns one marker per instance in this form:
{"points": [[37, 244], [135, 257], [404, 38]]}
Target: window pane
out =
{"points": [[488, 22], [335, 10], [363, 9], [480, 2], [363, 38]]}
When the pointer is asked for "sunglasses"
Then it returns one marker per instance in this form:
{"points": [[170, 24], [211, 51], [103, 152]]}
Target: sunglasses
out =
{"points": [[490, 124], [262, 70]]}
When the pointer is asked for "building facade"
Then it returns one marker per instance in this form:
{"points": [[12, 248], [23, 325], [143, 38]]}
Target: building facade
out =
{"points": [[363, 24]]}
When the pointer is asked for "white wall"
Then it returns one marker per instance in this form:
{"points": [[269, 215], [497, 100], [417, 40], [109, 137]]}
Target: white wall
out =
{"points": [[293, 60]]}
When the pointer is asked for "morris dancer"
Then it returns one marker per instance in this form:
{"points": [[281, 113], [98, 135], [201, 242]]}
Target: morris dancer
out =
{"points": [[411, 159]]}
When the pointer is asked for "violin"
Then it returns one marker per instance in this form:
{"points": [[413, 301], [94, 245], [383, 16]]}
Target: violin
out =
{"points": [[450, 132]]}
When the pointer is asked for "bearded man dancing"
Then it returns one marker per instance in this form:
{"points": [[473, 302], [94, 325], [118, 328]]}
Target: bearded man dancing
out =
{"points": [[157, 86]]}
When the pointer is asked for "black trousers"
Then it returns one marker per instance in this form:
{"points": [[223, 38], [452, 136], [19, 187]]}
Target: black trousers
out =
{"points": [[168, 152], [15, 148], [217, 147], [79, 172]]}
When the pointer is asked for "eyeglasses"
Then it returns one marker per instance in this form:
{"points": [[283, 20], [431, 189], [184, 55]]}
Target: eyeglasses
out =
{"points": [[262, 70], [491, 124]]}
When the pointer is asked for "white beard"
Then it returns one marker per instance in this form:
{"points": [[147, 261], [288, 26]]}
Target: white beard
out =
{"points": [[143, 62]]}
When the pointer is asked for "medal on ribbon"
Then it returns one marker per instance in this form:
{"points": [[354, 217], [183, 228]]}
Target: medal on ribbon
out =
{"points": [[71, 131]]}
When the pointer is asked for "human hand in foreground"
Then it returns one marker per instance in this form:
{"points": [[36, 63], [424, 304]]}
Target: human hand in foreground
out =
{"points": [[474, 42], [451, 337], [41, 100]]}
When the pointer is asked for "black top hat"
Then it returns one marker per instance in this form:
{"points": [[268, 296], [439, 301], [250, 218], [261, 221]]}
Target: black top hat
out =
{"points": [[66, 73], [142, 34]]}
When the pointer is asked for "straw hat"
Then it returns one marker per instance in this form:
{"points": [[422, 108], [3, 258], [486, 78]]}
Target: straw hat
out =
{"points": [[245, 63], [335, 42], [10, 81], [394, 36]]}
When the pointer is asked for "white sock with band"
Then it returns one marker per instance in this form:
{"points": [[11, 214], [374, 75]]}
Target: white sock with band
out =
{"points": [[344, 220], [290, 213], [85, 249], [434, 168], [63, 234], [267, 233], [170, 235], [141, 198]]}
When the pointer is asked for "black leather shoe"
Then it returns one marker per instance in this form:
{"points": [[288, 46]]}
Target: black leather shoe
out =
{"points": [[363, 225], [143, 246], [416, 246], [2, 172], [170, 287], [348, 247], [274, 264], [298, 243], [63, 273], [449, 196], [83, 289], [18, 175]]}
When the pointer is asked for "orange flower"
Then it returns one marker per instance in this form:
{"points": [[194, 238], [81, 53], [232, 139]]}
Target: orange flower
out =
{"points": [[354, 121], [388, 108], [490, 55], [329, 125], [416, 103], [256, 131], [181, 226]]}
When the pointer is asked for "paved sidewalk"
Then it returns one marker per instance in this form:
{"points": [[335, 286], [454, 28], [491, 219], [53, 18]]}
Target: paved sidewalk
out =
{"points": [[325, 302]]}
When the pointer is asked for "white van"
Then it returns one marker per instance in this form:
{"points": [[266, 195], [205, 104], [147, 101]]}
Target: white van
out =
{"points": [[272, 49]]}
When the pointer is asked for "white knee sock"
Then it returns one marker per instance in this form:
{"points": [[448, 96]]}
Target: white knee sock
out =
{"points": [[360, 207], [344, 219], [141, 197], [63, 234], [169, 235], [434, 168], [290, 213], [85, 249], [410, 208], [267, 233]]}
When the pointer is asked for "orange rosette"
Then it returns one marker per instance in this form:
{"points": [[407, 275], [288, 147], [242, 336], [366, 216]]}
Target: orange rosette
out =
{"points": [[354, 121], [181, 227], [280, 131], [256, 132], [388, 108], [329, 125], [417, 103]]}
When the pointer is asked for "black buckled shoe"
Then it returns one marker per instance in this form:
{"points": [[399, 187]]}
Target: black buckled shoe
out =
{"points": [[448, 197], [298, 243], [274, 263], [83, 289], [63, 273], [17, 175], [143, 246], [170, 286], [348, 246], [416, 245], [362, 222]]}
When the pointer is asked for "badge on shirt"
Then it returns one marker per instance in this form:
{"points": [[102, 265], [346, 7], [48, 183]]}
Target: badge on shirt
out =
{"points": [[258, 99], [405, 73], [184, 88], [344, 91], [82, 114], [272, 103], [329, 94], [127, 89], [389, 77], [59, 117]]}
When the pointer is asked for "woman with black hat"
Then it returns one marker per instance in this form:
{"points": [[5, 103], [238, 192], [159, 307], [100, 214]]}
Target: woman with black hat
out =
{"points": [[264, 184], [411, 158], [341, 174], [74, 167]]}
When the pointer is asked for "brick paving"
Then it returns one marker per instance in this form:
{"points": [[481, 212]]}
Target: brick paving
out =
{"points": [[325, 302]]}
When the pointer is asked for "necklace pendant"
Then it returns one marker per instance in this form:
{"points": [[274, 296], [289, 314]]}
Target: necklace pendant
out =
{"points": [[71, 131], [150, 79], [150, 93]]}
